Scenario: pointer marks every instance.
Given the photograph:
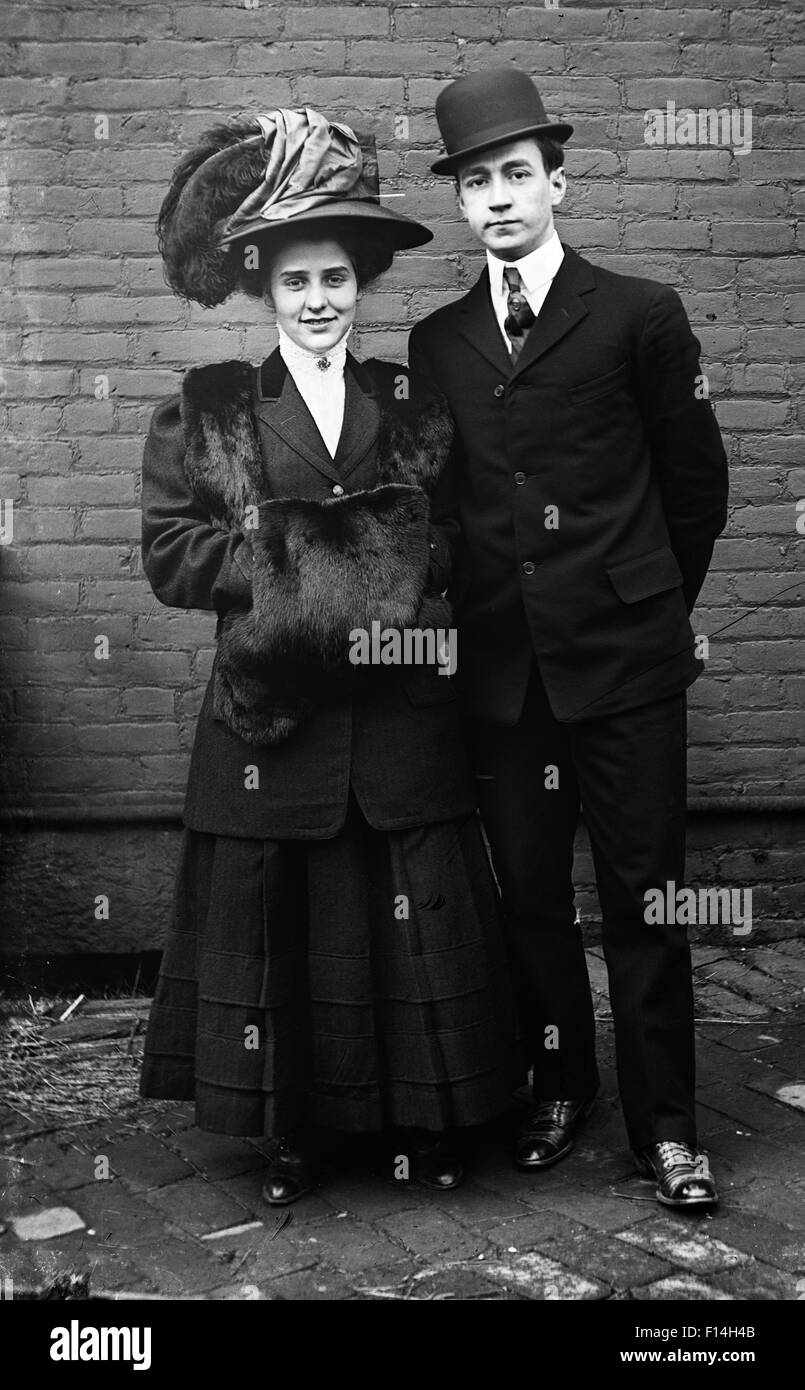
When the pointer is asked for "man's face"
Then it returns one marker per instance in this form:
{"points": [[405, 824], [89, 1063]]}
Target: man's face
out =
{"points": [[508, 199]]}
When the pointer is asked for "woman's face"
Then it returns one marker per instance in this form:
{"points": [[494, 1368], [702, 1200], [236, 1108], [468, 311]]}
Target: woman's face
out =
{"points": [[313, 289]]}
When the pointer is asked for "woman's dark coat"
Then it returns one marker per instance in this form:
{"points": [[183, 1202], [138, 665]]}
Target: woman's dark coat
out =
{"points": [[352, 542]]}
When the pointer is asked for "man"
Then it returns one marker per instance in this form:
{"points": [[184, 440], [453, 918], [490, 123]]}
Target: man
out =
{"points": [[591, 487]]}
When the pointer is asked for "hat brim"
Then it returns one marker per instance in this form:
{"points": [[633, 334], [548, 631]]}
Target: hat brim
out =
{"points": [[555, 130], [372, 220]]}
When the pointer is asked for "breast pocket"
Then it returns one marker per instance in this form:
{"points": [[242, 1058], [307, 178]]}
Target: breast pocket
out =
{"points": [[600, 385]]}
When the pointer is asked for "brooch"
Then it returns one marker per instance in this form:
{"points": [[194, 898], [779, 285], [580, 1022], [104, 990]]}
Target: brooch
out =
{"points": [[322, 363]]}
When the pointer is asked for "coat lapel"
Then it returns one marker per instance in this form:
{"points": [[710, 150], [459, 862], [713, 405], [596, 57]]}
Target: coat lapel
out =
{"points": [[477, 323], [562, 310], [283, 410], [361, 419], [247, 430]]}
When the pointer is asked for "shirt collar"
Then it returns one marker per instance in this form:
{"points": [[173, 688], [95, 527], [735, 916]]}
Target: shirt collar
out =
{"points": [[536, 269], [300, 360]]}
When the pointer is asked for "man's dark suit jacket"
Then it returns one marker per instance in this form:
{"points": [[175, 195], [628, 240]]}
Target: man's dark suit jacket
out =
{"points": [[588, 490]]}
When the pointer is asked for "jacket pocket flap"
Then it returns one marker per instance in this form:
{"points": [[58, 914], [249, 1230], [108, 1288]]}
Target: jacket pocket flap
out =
{"points": [[645, 575], [600, 385]]}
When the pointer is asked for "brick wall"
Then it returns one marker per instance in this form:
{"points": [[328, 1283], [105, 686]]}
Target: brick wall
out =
{"points": [[100, 101]]}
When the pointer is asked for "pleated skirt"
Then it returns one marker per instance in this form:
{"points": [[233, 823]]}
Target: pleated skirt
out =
{"points": [[352, 984]]}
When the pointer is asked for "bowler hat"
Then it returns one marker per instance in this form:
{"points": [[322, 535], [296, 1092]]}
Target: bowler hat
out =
{"points": [[490, 108]]}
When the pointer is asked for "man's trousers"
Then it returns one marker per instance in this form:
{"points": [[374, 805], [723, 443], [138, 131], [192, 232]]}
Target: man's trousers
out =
{"points": [[628, 773]]}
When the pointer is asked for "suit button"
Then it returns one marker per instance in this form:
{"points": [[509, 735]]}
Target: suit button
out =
{"points": [[338, 491], [519, 478], [499, 390], [529, 567]]}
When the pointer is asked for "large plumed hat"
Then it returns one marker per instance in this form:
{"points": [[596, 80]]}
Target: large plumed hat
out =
{"points": [[490, 108], [258, 177]]}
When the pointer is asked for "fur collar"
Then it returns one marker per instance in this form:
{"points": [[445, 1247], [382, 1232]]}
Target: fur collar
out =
{"points": [[223, 460]]}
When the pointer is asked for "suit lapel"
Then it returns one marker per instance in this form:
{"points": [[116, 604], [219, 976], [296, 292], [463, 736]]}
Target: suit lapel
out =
{"points": [[361, 419], [563, 308], [283, 410], [478, 325]]}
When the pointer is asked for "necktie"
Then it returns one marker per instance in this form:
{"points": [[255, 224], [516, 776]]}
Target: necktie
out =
{"points": [[520, 316]]}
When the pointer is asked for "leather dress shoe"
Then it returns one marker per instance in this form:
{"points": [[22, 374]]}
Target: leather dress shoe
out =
{"points": [[435, 1160], [549, 1132], [289, 1176], [682, 1174]]}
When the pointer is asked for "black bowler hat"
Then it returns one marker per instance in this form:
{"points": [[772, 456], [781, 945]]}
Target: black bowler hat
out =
{"points": [[490, 108]]}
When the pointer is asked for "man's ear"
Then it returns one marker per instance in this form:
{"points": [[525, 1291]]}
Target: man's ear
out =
{"points": [[558, 184]]}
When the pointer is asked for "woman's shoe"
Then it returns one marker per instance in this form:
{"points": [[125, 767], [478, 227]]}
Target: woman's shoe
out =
{"points": [[435, 1160], [290, 1175], [681, 1173]]}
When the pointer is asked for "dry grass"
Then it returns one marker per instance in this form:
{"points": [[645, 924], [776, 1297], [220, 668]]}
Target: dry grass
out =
{"points": [[52, 1074]]}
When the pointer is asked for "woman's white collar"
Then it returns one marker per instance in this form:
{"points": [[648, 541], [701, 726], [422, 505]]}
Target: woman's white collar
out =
{"points": [[318, 364]]}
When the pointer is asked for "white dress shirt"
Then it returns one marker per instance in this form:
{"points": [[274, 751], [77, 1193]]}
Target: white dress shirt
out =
{"points": [[322, 390], [537, 271]]}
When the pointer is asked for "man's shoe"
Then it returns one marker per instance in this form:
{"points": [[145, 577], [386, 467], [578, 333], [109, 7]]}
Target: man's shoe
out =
{"points": [[289, 1177], [435, 1160], [549, 1132], [682, 1174]]}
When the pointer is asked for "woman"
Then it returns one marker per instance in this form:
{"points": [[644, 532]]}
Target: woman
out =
{"points": [[334, 960]]}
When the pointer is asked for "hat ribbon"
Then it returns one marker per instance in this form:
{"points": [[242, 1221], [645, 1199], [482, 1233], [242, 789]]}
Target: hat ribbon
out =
{"points": [[309, 162]]}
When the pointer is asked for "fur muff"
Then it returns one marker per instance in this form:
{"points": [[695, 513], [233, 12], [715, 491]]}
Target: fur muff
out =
{"points": [[321, 569]]}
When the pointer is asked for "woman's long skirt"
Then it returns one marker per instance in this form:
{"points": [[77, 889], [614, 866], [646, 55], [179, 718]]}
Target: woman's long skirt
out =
{"points": [[352, 984]]}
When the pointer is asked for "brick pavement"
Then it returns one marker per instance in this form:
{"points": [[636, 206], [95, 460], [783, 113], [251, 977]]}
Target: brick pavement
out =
{"points": [[180, 1214]]}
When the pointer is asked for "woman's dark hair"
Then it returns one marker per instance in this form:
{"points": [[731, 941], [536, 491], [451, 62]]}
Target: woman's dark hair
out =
{"points": [[369, 258]]}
